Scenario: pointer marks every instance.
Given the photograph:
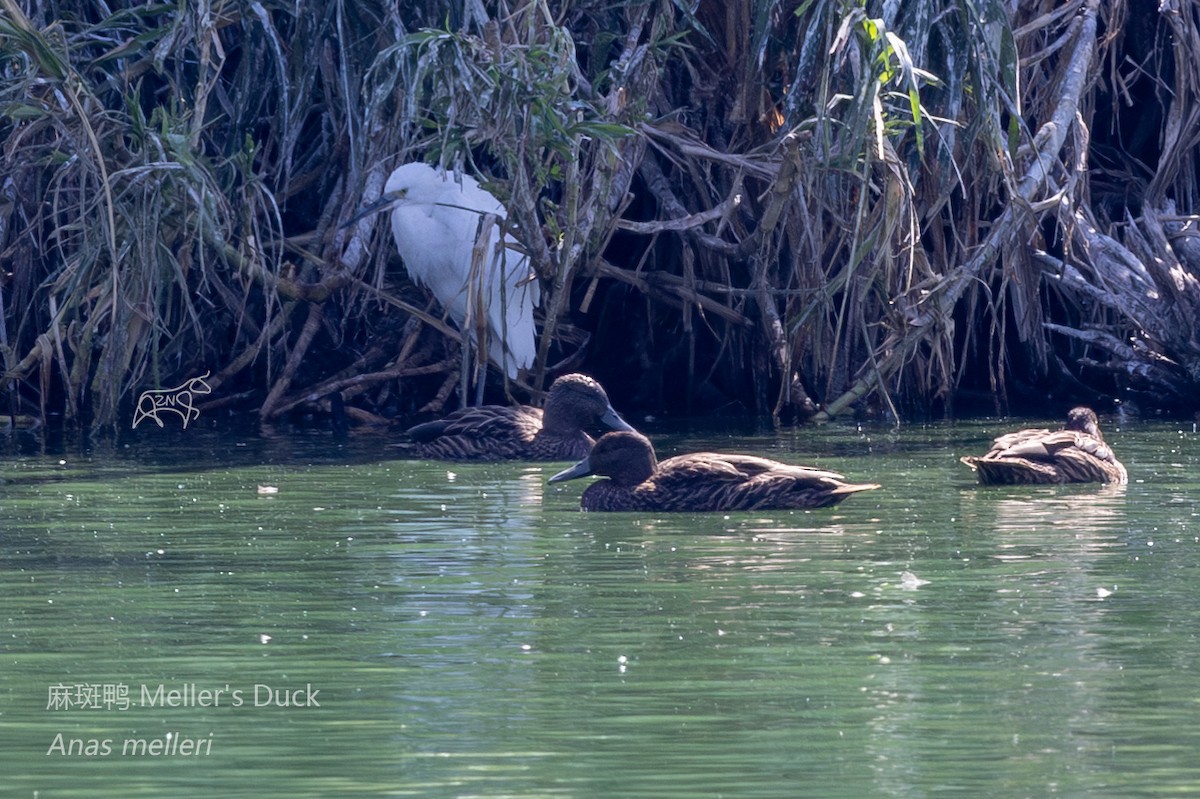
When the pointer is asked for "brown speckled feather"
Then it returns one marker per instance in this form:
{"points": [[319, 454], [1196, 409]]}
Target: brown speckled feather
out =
{"points": [[1075, 454], [493, 432], [700, 481]]}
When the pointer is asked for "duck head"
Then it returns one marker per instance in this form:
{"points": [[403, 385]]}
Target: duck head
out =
{"points": [[576, 402], [1083, 420], [625, 457]]}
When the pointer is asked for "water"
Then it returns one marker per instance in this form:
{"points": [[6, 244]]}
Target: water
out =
{"points": [[459, 630]]}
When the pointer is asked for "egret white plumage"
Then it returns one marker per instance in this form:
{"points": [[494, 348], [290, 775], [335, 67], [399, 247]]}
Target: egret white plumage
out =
{"points": [[435, 221]]}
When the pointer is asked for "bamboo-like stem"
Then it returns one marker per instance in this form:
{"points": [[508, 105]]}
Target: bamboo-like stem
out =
{"points": [[312, 324], [945, 295]]}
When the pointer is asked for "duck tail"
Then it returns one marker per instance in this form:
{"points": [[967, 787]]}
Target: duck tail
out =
{"points": [[853, 488], [1010, 471]]}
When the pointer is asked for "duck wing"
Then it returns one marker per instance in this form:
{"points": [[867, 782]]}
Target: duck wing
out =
{"points": [[753, 465], [1045, 446], [488, 432], [715, 481], [724, 466], [1017, 438], [686, 472], [1091, 461]]}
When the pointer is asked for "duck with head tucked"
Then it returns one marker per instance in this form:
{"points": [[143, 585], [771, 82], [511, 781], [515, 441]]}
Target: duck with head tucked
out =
{"points": [[1075, 454], [700, 481], [497, 432]]}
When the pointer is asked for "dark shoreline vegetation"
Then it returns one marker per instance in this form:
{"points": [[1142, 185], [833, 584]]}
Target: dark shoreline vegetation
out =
{"points": [[794, 209]]}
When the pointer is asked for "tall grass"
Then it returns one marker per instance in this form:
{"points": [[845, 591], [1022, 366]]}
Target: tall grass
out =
{"points": [[796, 206]]}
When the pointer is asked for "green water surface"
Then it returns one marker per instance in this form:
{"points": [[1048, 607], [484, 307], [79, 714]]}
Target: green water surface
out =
{"points": [[384, 626]]}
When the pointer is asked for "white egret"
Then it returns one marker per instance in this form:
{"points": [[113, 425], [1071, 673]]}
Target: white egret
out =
{"points": [[436, 218]]}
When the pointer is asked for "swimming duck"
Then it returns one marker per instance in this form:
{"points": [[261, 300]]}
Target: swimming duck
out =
{"points": [[700, 481], [496, 432], [1075, 454]]}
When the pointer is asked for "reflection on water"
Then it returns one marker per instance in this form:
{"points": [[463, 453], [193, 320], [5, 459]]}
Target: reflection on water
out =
{"points": [[1069, 521], [469, 632]]}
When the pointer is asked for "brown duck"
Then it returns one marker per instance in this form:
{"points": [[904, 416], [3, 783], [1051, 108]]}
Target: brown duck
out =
{"points": [[496, 432], [700, 481], [1075, 454]]}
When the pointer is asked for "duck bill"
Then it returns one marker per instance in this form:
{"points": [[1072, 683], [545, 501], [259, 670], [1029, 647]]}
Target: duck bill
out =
{"points": [[613, 420], [581, 469]]}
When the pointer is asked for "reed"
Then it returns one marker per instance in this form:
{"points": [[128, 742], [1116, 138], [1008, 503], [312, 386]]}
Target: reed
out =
{"points": [[795, 207]]}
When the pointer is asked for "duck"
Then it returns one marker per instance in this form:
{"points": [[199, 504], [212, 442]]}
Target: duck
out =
{"points": [[699, 481], [499, 432], [1075, 454]]}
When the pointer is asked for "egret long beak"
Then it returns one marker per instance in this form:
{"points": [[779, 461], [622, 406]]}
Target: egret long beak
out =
{"points": [[581, 469], [613, 420], [386, 202]]}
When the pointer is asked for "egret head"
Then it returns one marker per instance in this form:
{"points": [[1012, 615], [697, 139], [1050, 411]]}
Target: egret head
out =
{"points": [[412, 177], [386, 202], [415, 179]]}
